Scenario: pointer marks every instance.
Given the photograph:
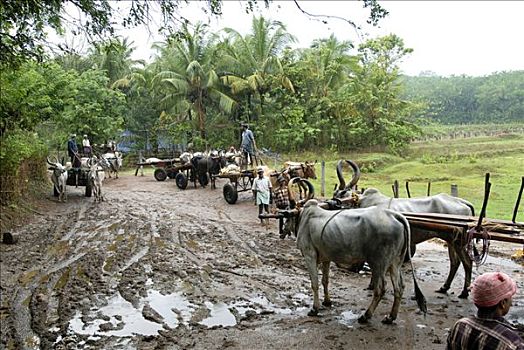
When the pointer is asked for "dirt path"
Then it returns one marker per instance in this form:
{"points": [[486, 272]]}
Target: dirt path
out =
{"points": [[154, 267]]}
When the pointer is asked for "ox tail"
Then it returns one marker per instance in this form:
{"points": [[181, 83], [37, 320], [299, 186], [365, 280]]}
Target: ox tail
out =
{"points": [[419, 296]]}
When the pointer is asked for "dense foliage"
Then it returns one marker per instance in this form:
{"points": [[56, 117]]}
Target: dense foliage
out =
{"points": [[497, 98]]}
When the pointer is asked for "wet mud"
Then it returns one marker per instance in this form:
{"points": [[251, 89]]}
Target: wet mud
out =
{"points": [[156, 267]]}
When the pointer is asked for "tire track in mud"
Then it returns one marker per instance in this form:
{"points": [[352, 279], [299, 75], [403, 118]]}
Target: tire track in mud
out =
{"points": [[24, 295]]}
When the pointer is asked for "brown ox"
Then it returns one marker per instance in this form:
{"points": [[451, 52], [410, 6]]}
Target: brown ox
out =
{"points": [[297, 169]]}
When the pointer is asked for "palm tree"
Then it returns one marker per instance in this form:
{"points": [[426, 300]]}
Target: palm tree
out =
{"points": [[114, 57], [251, 60], [331, 65], [190, 81]]}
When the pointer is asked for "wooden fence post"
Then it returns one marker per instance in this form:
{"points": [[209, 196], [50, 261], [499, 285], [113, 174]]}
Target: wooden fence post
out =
{"points": [[407, 189], [323, 178], [429, 188], [454, 190]]}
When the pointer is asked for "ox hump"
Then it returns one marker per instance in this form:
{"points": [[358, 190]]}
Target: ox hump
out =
{"points": [[311, 203]]}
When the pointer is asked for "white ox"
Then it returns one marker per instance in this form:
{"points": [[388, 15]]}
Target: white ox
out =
{"points": [[379, 236], [111, 162], [440, 203], [95, 177], [59, 179]]}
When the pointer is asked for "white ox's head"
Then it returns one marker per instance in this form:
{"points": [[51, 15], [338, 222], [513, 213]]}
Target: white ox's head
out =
{"points": [[57, 168]]}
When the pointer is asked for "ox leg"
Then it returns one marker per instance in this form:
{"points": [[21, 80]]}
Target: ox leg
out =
{"points": [[468, 266], [311, 263], [398, 289], [454, 263], [379, 281], [325, 282]]}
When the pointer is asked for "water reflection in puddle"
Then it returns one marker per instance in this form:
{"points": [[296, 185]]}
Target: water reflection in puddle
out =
{"points": [[120, 318], [122, 314], [165, 304]]}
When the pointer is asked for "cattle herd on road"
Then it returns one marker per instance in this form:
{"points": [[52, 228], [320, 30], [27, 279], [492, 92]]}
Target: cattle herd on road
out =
{"points": [[370, 228]]}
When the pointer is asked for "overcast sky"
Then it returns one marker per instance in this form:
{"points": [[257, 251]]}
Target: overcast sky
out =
{"points": [[448, 37]]}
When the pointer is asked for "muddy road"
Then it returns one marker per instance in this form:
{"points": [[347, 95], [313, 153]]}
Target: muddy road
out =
{"points": [[155, 267]]}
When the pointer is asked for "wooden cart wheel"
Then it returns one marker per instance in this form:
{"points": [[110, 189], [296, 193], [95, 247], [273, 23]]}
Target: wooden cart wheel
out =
{"points": [[160, 174], [230, 193], [181, 181], [171, 173]]}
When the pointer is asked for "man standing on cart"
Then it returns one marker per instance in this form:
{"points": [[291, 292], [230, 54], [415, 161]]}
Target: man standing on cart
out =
{"points": [[72, 151], [248, 146]]}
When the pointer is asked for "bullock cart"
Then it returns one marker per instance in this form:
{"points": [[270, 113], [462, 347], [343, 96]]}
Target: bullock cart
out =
{"points": [[180, 169], [239, 181], [164, 168], [76, 176]]}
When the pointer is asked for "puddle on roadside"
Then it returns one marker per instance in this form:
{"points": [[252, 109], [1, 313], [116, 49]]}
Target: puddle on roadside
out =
{"points": [[175, 309], [260, 303], [219, 316], [348, 318], [122, 314], [132, 319], [165, 304]]}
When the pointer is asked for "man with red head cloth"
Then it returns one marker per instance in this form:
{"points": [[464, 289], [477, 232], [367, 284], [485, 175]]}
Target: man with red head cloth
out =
{"points": [[492, 295]]}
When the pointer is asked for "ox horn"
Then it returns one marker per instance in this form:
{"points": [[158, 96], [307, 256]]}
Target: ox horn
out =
{"points": [[356, 174], [342, 183], [310, 189], [51, 163], [290, 190]]}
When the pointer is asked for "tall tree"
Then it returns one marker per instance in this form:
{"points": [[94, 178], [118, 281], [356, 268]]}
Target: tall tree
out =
{"points": [[190, 81], [252, 58], [114, 58]]}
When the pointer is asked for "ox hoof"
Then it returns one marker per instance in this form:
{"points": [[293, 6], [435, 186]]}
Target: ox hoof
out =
{"points": [[388, 319], [464, 294], [313, 312], [327, 303], [442, 290], [363, 319]]}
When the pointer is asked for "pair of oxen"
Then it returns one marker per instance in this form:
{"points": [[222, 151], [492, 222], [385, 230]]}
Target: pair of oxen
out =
{"points": [[373, 231], [98, 167]]}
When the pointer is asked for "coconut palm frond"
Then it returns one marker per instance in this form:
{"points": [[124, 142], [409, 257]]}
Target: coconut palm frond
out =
{"points": [[226, 103], [178, 85], [121, 83]]}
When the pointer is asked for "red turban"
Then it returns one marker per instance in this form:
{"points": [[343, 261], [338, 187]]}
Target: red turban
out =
{"points": [[490, 288]]}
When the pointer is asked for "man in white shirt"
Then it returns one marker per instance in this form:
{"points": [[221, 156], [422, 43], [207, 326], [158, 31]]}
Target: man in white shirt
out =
{"points": [[262, 190], [87, 146]]}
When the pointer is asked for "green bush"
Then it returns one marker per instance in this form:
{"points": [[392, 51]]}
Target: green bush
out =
{"points": [[22, 156]]}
